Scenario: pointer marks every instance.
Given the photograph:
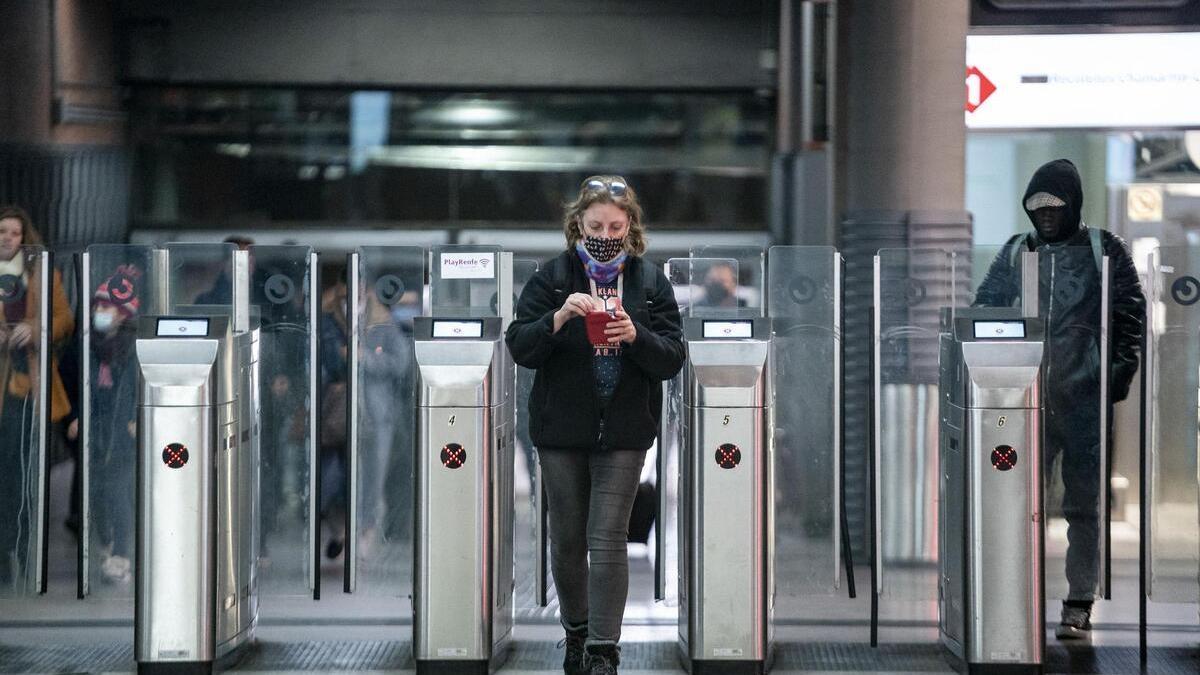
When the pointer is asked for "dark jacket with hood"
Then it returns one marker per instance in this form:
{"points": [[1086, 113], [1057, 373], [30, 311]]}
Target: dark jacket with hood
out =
{"points": [[1069, 299], [564, 406]]}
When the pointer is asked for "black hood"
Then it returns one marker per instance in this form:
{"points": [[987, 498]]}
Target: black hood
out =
{"points": [[1061, 179]]}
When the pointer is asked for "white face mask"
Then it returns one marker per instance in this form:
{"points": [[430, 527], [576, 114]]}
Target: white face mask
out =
{"points": [[103, 321]]}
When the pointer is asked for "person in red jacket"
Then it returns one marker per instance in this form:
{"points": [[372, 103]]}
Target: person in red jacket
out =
{"points": [[595, 404]]}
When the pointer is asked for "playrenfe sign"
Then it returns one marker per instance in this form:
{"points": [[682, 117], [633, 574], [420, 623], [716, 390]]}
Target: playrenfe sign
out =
{"points": [[468, 265], [1097, 80]]}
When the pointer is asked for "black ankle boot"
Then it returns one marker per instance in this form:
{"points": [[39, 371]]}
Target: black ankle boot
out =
{"points": [[603, 659], [573, 660]]}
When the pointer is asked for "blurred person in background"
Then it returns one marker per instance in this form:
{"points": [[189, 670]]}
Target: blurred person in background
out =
{"points": [[20, 297], [386, 448], [334, 401], [114, 377]]}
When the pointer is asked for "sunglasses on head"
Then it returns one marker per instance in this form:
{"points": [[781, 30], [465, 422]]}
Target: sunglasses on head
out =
{"points": [[615, 188]]}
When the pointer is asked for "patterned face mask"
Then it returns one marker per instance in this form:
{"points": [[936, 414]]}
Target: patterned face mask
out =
{"points": [[603, 249]]}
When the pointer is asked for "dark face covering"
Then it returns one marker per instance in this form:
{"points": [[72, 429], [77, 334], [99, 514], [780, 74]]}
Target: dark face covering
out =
{"points": [[603, 249], [1051, 224], [1061, 180], [716, 292]]}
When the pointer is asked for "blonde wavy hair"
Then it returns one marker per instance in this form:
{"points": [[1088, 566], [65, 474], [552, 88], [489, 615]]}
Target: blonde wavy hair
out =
{"points": [[635, 238]]}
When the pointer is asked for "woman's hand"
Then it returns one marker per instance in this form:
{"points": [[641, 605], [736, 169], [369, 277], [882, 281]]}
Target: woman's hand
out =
{"points": [[20, 335], [576, 304], [622, 329]]}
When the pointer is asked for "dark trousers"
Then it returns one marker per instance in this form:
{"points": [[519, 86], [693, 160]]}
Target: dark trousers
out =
{"points": [[16, 496], [589, 496], [1075, 437]]}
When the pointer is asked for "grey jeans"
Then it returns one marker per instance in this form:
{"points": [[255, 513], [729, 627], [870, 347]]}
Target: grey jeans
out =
{"points": [[589, 496]]}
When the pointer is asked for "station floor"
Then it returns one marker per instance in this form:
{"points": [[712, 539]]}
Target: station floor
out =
{"points": [[352, 633]]}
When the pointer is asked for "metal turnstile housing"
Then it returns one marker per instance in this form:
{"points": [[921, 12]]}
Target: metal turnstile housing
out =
{"points": [[463, 579], [990, 535], [196, 595], [726, 554]]}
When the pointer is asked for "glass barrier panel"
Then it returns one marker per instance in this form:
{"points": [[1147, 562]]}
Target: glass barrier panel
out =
{"points": [[804, 305], [1073, 300], [1172, 365], [122, 284], [280, 283], [464, 281], [525, 460], [727, 281], [200, 274], [391, 285], [913, 288], [23, 458]]}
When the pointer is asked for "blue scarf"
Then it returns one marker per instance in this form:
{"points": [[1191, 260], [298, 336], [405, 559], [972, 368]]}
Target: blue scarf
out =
{"points": [[600, 272]]}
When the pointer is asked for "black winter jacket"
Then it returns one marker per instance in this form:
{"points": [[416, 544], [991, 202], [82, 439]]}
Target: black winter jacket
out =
{"points": [[564, 407], [1069, 299]]}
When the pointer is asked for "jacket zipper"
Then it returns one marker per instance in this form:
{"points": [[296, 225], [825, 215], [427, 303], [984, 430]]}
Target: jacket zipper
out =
{"points": [[1050, 316]]}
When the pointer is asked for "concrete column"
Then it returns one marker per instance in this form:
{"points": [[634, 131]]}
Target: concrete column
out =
{"points": [[62, 130], [68, 41], [25, 64], [901, 90]]}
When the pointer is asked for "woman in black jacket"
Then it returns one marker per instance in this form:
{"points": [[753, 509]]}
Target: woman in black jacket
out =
{"points": [[594, 408]]}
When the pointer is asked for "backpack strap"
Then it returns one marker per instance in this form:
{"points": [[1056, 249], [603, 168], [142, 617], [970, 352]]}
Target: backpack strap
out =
{"points": [[1095, 238], [1094, 235], [649, 279], [1017, 244], [558, 273]]}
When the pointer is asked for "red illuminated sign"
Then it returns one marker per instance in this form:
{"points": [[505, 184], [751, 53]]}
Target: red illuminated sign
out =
{"points": [[728, 456], [175, 455], [1004, 457], [453, 456], [979, 88]]}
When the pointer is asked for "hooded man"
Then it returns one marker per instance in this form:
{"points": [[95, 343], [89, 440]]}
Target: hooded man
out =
{"points": [[1070, 255]]}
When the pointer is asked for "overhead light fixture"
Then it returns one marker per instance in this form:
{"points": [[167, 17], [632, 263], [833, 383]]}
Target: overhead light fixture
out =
{"points": [[234, 149], [478, 114]]}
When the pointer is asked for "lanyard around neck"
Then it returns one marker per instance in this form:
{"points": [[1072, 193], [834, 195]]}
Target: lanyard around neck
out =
{"points": [[620, 287]]}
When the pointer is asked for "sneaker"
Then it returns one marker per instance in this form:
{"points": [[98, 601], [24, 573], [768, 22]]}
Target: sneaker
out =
{"points": [[1076, 623], [573, 660], [116, 570], [602, 659], [333, 549]]}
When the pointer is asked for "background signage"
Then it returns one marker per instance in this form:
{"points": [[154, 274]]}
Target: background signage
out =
{"points": [[1097, 80]]}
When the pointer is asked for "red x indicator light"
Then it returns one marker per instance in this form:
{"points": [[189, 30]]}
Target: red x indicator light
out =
{"points": [[453, 456], [1004, 457], [175, 455], [728, 456]]}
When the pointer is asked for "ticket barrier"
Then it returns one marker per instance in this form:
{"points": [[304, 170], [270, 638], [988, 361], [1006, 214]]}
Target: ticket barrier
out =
{"points": [[463, 585], [196, 590], [990, 535], [726, 501]]}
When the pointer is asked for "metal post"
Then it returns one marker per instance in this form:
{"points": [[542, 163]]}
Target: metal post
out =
{"points": [[876, 391], [837, 413], [1148, 365], [540, 562], [162, 265], [314, 426], [42, 516], [351, 538], [83, 586], [1029, 284], [1105, 413], [241, 291]]}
